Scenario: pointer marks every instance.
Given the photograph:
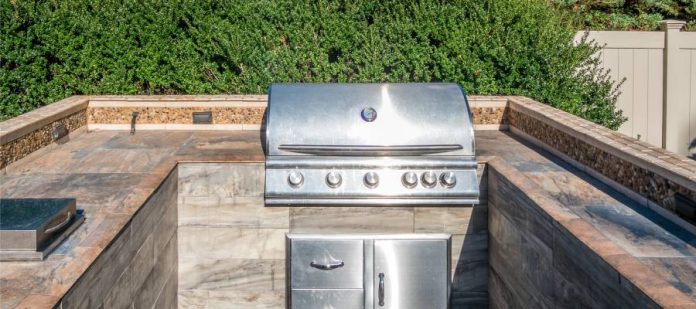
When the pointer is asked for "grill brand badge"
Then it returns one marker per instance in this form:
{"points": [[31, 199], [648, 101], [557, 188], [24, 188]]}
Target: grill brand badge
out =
{"points": [[368, 114]]}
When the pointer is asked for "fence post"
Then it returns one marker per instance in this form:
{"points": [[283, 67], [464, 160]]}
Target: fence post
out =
{"points": [[674, 133]]}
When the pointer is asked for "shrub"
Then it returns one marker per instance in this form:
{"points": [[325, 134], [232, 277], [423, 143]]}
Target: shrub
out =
{"points": [[53, 49], [628, 14]]}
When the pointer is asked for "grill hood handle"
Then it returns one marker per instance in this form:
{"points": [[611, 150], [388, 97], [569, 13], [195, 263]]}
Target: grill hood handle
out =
{"points": [[368, 150]]}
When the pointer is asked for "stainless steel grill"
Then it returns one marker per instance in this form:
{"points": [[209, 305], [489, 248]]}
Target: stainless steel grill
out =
{"points": [[369, 144]]}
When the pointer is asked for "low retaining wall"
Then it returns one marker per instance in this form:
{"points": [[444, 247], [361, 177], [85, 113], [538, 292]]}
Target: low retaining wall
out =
{"points": [[544, 256]]}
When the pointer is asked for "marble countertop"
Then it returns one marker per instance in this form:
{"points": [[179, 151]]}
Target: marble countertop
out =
{"points": [[112, 173]]}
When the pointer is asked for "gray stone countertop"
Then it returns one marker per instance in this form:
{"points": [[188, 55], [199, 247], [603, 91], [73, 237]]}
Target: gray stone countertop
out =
{"points": [[112, 173]]}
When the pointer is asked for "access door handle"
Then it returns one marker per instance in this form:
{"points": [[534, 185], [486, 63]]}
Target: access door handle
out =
{"points": [[60, 225], [380, 293], [326, 266]]}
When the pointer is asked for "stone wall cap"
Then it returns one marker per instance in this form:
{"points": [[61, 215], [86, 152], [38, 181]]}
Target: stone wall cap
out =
{"points": [[625, 265], [21, 125], [621, 146], [203, 98], [672, 24]]}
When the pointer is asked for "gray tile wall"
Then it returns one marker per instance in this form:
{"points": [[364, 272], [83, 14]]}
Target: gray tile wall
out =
{"points": [[138, 269], [232, 248], [536, 263]]}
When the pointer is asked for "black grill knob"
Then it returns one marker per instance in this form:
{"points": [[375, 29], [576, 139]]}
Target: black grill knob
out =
{"points": [[429, 179], [448, 179], [409, 179], [333, 179], [295, 179], [371, 179]]}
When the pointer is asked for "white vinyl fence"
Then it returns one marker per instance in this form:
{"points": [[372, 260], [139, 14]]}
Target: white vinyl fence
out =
{"points": [[659, 92]]}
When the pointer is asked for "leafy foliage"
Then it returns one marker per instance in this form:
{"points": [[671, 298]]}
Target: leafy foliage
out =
{"points": [[53, 49], [628, 14]]}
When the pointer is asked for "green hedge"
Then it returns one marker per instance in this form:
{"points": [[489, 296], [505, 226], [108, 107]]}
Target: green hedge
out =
{"points": [[53, 49], [627, 14]]}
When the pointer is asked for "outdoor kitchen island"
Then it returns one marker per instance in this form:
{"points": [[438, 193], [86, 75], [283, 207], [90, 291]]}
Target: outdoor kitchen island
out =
{"points": [[180, 214]]}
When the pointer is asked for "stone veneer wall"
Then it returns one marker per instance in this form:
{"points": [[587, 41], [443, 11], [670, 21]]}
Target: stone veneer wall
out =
{"points": [[175, 115], [229, 112], [155, 112], [489, 112], [543, 256], [139, 268], [652, 172], [232, 248], [22, 135], [178, 115]]}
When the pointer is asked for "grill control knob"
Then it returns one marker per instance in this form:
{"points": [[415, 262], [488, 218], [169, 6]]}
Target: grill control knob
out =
{"points": [[448, 179], [409, 179], [295, 179], [333, 179], [371, 179], [429, 179]]}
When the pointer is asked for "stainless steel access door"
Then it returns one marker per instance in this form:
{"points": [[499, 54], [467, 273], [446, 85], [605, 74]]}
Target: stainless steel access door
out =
{"points": [[411, 273], [326, 273]]}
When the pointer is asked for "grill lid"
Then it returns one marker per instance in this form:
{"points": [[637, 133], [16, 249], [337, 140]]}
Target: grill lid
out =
{"points": [[368, 120], [369, 144]]}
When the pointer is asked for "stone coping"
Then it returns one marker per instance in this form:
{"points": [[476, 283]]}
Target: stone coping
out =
{"points": [[647, 173], [21, 125], [180, 98], [628, 267], [676, 167]]}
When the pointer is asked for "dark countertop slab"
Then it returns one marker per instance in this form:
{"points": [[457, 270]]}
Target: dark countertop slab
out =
{"points": [[112, 173]]}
